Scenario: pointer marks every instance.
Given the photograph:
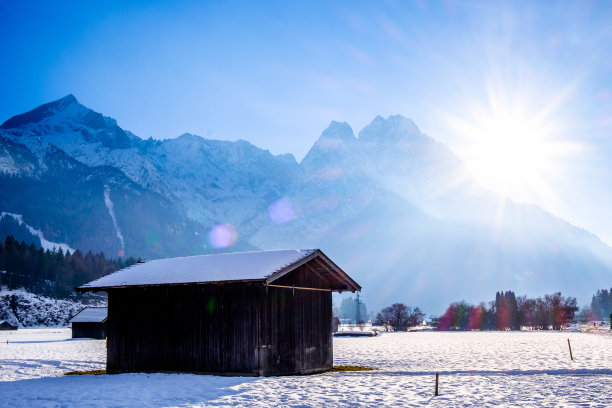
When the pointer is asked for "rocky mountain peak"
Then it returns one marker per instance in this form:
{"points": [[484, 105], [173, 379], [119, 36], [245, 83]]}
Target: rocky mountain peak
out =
{"points": [[65, 101], [66, 110], [40, 113], [188, 136], [336, 143], [67, 117], [340, 131], [392, 129]]}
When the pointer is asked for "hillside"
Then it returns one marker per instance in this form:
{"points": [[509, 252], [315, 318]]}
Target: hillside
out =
{"points": [[26, 309]]}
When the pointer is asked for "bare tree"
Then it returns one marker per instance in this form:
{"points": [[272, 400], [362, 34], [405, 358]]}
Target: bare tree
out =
{"points": [[562, 309], [527, 311], [399, 317]]}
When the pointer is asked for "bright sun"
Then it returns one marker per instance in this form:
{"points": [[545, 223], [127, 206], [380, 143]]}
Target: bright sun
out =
{"points": [[511, 151]]}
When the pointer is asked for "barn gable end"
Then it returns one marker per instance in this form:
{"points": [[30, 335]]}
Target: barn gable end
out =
{"points": [[296, 328]]}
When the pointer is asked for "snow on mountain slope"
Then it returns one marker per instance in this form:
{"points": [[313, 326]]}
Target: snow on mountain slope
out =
{"points": [[332, 185], [422, 170], [215, 181], [85, 135], [66, 201], [226, 182], [44, 243], [111, 211]]}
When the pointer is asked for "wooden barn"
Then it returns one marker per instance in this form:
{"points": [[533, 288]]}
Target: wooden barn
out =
{"points": [[249, 313], [4, 325], [90, 323]]}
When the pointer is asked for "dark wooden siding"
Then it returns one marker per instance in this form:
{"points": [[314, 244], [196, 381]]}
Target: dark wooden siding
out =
{"points": [[89, 330], [296, 326], [232, 328], [193, 328]]}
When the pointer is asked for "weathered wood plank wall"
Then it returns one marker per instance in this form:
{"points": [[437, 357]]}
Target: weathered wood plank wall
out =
{"points": [[191, 328], [231, 328]]}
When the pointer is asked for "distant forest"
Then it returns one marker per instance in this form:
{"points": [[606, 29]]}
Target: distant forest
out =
{"points": [[509, 312], [52, 273]]}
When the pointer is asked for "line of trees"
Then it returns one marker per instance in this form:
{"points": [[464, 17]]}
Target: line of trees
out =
{"points": [[52, 273], [509, 312]]}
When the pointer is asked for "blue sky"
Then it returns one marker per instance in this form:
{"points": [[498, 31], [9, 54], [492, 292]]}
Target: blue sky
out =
{"points": [[276, 74]]}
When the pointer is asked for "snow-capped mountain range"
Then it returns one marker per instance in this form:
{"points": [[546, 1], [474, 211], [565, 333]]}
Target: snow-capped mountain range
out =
{"points": [[395, 208]]}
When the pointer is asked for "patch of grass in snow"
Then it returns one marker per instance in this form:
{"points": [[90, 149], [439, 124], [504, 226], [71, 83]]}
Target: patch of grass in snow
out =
{"points": [[90, 372], [337, 369]]}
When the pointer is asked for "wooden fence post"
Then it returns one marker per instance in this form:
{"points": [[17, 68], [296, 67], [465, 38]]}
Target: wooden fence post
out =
{"points": [[437, 375], [570, 349]]}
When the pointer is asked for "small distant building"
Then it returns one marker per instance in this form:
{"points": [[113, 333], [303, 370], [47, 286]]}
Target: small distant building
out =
{"points": [[90, 323], [4, 325], [248, 313]]}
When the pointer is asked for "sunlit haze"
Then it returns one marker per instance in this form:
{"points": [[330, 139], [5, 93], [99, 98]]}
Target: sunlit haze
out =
{"points": [[520, 91]]}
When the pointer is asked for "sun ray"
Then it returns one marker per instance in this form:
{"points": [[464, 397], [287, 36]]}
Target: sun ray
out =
{"points": [[513, 143]]}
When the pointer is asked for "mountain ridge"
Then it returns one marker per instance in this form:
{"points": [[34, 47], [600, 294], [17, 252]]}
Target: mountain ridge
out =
{"points": [[399, 195]]}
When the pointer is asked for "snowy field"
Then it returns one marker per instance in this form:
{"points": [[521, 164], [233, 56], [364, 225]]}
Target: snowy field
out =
{"points": [[476, 369]]}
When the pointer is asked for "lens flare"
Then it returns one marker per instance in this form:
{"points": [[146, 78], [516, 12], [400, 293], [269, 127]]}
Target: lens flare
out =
{"points": [[211, 305], [281, 211], [223, 235]]}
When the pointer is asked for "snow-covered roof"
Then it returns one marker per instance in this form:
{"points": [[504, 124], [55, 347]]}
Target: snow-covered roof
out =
{"points": [[91, 315], [226, 267]]}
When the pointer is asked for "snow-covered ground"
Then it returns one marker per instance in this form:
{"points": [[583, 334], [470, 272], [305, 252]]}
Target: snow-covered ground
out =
{"points": [[476, 369], [37, 353]]}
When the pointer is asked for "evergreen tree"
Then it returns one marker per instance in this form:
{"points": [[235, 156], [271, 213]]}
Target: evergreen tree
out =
{"points": [[601, 304], [51, 272]]}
